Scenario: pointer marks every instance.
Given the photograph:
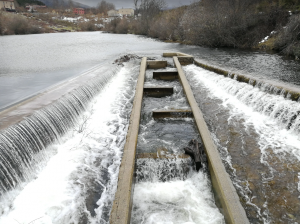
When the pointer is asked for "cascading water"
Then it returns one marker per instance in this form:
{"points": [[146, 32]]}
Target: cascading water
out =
{"points": [[20, 142], [257, 135], [261, 99], [67, 169], [168, 189]]}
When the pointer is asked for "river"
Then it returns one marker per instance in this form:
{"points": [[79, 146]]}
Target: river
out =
{"points": [[73, 178]]}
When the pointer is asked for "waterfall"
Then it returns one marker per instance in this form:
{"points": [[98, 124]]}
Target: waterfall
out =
{"points": [[263, 98], [162, 170], [19, 143]]}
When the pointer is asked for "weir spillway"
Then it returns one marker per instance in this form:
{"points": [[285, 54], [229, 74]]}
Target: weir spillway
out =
{"points": [[250, 129]]}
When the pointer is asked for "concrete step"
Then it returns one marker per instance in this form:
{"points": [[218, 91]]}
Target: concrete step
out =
{"points": [[156, 64], [158, 91], [167, 76], [176, 113]]}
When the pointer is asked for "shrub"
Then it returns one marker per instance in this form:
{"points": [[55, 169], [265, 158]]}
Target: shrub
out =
{"points": [[87, 26], [1, 23], [288, 39], [122, 26], [18, 25]]}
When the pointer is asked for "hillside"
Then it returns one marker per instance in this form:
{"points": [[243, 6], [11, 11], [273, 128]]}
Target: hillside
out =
{"points": [[33, 2], [50, 3]]}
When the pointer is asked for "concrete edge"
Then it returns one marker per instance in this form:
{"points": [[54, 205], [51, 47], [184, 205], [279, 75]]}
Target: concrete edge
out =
{"points": [[15, 113], [290, 93], [178, 54], [122, 204], [173, 113], [223, 188]]}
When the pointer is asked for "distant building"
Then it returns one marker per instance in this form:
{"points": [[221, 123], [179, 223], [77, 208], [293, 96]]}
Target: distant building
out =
{"points": [[126, 12], [78, 11], [8, 5], [113, 13], [120, 12], [34, 8]]}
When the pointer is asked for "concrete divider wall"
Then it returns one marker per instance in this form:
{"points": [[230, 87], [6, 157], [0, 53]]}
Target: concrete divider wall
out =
{"points": [[224, 191], [122, 205]]}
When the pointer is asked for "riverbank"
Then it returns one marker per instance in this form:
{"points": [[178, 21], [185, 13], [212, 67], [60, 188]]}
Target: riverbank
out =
{"points": [[34, 23], [248, 25]]}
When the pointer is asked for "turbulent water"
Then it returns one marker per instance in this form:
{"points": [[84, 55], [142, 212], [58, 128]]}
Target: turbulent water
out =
{"points": [[169, 189], [73, 180], [257, 134], [60, 165]]}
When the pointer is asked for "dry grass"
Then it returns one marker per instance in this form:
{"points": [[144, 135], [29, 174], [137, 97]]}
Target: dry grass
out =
{"points": [[11, 24]]}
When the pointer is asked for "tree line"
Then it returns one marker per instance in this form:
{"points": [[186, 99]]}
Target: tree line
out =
{"points": [[217, 23]]}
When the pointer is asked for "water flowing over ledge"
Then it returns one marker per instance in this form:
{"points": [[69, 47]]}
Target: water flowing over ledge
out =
{"points": [[20, 142], [257, 135], [287, 92], [70, 176]]}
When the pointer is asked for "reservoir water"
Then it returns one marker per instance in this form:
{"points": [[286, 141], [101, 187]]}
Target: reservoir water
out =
{"points": [[60, 165]]}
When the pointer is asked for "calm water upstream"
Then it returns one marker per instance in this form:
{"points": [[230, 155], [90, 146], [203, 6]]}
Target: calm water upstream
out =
{"points": [[61, 164]]}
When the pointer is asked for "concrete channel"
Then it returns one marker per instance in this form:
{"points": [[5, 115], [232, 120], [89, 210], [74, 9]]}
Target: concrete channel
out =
{"points": [[225, 194]]}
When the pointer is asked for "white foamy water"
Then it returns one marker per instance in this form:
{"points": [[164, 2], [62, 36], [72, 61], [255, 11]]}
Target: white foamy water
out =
{"points": [[187, 201], [269, 114], [87, 158]]}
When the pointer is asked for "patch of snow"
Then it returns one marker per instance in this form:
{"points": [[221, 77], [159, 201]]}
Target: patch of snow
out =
{"points": [[264, 40]]}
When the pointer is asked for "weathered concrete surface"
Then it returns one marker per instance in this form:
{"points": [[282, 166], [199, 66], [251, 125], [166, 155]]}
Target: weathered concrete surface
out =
{"points": [[158, 91], [177, 54], [166, 76], [156, 64], [156, 114], [121, 209], [184, 59], [225, 193]]}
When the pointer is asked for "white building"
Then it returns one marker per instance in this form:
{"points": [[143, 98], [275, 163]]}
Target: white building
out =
{"points": [[113, 13], [8, 5], [126, 12], [120, 12]]}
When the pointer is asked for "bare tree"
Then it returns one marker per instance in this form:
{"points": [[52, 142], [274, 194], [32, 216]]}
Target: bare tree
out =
{"points": [[70, 4], [104, 7], [149, 9], [55, 4], [136, 4]]}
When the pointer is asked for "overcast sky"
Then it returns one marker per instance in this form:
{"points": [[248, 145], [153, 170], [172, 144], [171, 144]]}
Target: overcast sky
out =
{"points": [[129, 3]]}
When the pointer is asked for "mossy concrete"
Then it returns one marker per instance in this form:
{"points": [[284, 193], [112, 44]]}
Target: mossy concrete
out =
{"points": [[225, 193], [122, 205]]}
